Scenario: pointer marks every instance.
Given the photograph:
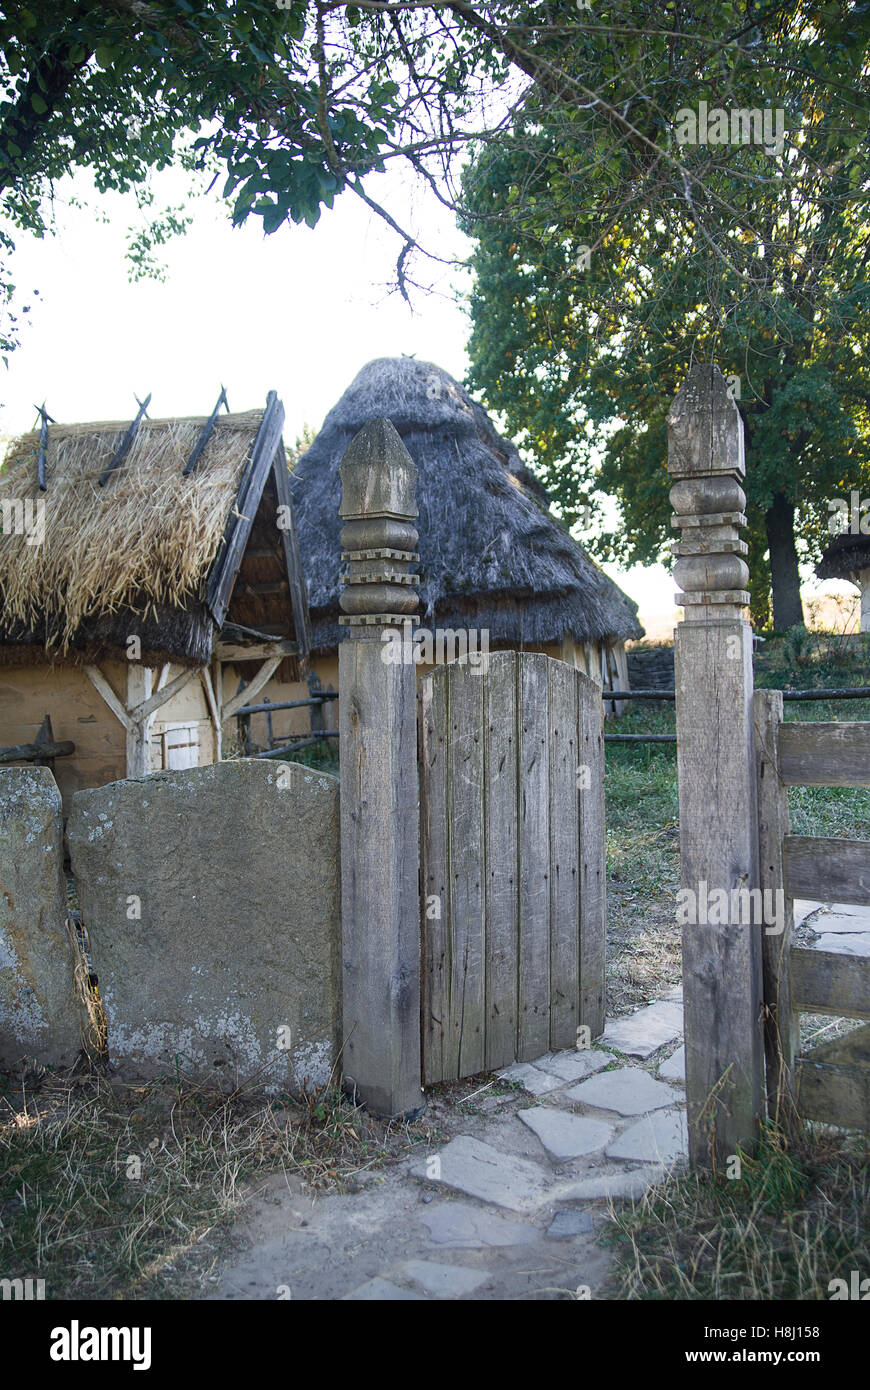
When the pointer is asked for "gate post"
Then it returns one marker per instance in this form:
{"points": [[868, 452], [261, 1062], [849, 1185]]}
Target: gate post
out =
{"points": [[716, 768], [380, 913]]}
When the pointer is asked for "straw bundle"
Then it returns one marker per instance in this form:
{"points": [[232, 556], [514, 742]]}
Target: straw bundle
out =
{"points": [[145, 541]]}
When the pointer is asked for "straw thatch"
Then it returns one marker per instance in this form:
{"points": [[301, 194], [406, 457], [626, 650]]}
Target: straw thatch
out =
{"points": [[845, 558], [492, 556], [130, 557]]}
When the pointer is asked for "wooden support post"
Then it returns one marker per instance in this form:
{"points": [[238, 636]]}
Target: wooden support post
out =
{"points": [[781, 1024], [139, 680], [716, 769], [378, 748]]}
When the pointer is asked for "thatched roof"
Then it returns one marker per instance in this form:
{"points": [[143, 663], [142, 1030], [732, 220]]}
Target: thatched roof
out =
{"points": [[845, 557], [152, 552], [492, 556]]}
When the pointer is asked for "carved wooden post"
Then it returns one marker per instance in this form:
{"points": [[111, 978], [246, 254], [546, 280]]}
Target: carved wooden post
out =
{"points": [[379, 810], [715, 760]]}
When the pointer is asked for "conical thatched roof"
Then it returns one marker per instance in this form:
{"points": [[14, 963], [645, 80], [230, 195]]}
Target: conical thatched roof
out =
{"points": [[492, 556], [845, 557], [145, 549]]}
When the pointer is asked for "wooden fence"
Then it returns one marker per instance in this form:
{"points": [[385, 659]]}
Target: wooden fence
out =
{"points": [[512, 862], [832, 1083]]}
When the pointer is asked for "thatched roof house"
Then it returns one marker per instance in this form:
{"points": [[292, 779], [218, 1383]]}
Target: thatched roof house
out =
{"points": [[126, 551], [492, 556], [848, 557]]}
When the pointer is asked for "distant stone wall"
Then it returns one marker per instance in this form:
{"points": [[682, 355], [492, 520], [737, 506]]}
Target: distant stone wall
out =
{"points": [[212, 902], [40, 1017]]}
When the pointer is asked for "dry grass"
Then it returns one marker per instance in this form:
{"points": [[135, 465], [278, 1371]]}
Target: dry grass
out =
{"points": [[148, 537], [795, 1219], [73, 1211]]}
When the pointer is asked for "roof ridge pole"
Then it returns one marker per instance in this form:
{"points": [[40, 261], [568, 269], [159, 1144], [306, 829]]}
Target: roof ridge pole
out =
{"points": [[43, 445], [380, 905], [126, 443], [206, 433], [722, 996]]}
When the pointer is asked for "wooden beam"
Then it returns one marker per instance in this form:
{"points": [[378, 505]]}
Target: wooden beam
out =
{"points": [[292, 555], [834, 1095], [256, 684], [825, 755], [225, 567], [258, 651], [211, 700], [828, 982], [139, 680], [141, 711], [827, 870], [781, 1023], [101, 685], [36, 752]]}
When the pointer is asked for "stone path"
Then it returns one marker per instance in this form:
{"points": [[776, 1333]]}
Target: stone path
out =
{"points": [[509, 1207], [835, 926]]}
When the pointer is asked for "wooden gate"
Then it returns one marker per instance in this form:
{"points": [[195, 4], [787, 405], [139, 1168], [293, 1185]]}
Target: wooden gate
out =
{"points": [[832, 1083], [512, 861]]}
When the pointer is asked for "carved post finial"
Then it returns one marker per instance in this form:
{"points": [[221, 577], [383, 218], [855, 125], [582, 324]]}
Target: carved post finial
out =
{"points": [[378, 507], [705, 459]]}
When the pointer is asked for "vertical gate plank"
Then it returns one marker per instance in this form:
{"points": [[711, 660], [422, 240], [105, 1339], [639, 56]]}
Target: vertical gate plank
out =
{"points": [[463, 1043], [564, 856], [500, 801], [781, 1025], [433, 749], [534, 797], [593, 858]]}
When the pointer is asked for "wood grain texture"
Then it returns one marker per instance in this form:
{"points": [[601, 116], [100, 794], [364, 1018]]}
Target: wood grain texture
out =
{"points": [[502, 859], [464, 1038], [593, 854], [782, 1025], [507, 841], [722, 984], [835, 1095], [827, 982], [827, 870], [833, 754], [379, 878], [564, 818], [533, 994]]}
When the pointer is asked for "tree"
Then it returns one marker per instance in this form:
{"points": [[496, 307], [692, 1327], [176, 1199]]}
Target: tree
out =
{"points": [[597, 285]]}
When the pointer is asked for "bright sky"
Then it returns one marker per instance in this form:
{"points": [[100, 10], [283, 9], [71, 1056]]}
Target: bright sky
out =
{"points": [[300, 311]]}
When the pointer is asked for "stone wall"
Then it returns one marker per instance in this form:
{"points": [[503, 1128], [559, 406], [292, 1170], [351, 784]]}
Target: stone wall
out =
{"points": [[40, 1017], [212, 901]]}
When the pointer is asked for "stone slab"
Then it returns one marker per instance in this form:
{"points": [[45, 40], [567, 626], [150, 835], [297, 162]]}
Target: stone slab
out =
{"points": [[40, 1014], [619, 1182], [568, 1224], [445, 1281], [843, 922], [674, 1069], [468, 1165], [381, 1291], [575, 1065], [844, 945], [460, 1226], [643, 1033], [531, 1078], [627, 1090], [661, 1137], [564, 1135], [230, 961]]}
